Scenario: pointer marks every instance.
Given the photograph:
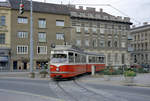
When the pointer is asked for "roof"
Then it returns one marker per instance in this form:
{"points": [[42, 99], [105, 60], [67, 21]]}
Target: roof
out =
{"points": [[4, 4], [94, 13], [141, 27], [37, 6]]}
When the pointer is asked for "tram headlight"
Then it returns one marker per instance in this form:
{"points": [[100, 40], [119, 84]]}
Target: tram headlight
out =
{"points": [[57, 69]]}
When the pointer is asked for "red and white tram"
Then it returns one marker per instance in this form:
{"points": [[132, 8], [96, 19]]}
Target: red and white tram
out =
{"points": [[69, 62]]}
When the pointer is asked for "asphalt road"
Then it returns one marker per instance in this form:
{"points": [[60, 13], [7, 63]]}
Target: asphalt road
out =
{"points": [[74, 90]]}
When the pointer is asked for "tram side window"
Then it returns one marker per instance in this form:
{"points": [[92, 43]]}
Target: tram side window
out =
{"points": [[101, 59], [93, 59], [71, 57], [97, 60], [77, 58], [83, 59], [90, 59]]}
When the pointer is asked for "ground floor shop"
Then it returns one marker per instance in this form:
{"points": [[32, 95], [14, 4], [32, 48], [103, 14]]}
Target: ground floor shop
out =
{"points": [[4, 59], [25, 64]]}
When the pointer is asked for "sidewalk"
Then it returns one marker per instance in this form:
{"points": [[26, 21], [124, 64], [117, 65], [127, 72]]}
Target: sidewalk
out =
{"points": [[22, 75], [142, 80]]}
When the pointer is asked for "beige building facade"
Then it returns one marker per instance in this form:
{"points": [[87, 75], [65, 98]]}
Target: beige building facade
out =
{"points": [[100, 32], [48, 28], [5, 30], [93, 31], [140, 44]]}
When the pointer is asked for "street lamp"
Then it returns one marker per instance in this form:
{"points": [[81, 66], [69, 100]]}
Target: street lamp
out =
{"points": [[31, 39]]}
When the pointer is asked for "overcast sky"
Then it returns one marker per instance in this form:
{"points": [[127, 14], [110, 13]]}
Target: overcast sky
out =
{"points": [[137, 10]]}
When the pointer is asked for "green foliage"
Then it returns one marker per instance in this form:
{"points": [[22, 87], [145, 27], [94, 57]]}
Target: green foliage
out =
{"points": [[129, 73], [142, 70], [117, 72], [43, 72], [107, 72]]}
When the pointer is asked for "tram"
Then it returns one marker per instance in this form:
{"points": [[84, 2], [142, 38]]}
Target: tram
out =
{"points": [[67, 61]]}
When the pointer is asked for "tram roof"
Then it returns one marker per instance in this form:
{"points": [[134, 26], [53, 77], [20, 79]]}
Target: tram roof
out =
{"points": [[67, 47], [75, 49], [93, 53]]}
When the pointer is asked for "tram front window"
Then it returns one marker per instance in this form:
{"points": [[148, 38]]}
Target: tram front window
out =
{"points": [[59, 58]]}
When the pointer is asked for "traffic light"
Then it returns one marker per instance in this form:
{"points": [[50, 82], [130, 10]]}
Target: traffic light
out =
{"points": [[21, 9]]}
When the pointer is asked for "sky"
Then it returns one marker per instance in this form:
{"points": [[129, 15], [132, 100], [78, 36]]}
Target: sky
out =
{"points": [[137, 10]]}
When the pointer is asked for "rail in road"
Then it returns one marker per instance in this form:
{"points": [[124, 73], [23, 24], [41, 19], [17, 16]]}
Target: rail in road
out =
{"points": [[75, 91]]}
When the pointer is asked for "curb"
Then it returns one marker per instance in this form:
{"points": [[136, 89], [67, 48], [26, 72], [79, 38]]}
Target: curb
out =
{"points": [[136, 84], [115, 83]]}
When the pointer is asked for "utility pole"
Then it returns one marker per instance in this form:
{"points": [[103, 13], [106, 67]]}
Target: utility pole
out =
{"points": [[31, 39]]}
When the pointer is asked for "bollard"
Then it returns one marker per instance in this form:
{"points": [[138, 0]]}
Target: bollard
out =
{"points": [[93, 70]]}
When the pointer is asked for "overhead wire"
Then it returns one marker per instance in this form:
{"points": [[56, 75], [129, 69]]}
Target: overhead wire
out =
{"points": [[109, 5]]}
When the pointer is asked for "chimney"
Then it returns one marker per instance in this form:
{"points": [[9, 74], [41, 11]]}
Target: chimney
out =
{"points": [[133, 26], [90, 9], [101, 10], [145, 23], [72, 6], [81, 7]]}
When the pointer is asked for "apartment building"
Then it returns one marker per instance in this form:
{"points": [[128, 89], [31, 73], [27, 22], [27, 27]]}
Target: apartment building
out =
{"points": [[49, 21], [4, 37], [100, 32], [91, 30], [140, 44]]}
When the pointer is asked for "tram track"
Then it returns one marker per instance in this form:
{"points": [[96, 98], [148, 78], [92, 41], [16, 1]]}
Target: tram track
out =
{"points": [[106, 96], [61, 92], [75, 91]]}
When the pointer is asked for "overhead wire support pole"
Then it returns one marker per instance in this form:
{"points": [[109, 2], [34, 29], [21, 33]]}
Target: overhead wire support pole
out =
{"points": [[31, 38]]}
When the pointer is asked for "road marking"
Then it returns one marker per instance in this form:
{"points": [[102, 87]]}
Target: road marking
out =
{"points": [[30, 94]]}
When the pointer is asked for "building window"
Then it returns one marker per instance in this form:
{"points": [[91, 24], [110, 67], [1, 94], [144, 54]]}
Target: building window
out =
{"points": [[23, 20], [123, 58], [78, 42], [94, 43], [116, 58], [78, 29], [109, 44], [102, 30], [134, 46], [109, 58], [116, 44], [102, 43], [86, 30], [2, 38], [42, 50], [22, 49], [22, 34], [60, 36], [94, 30], [2, 21], [42, 36], [123, 44], [42, 23], [87, 43], [59, 22], [146, 45]]}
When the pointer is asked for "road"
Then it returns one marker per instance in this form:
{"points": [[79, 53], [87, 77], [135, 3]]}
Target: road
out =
{"points": [[74, 90]]}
